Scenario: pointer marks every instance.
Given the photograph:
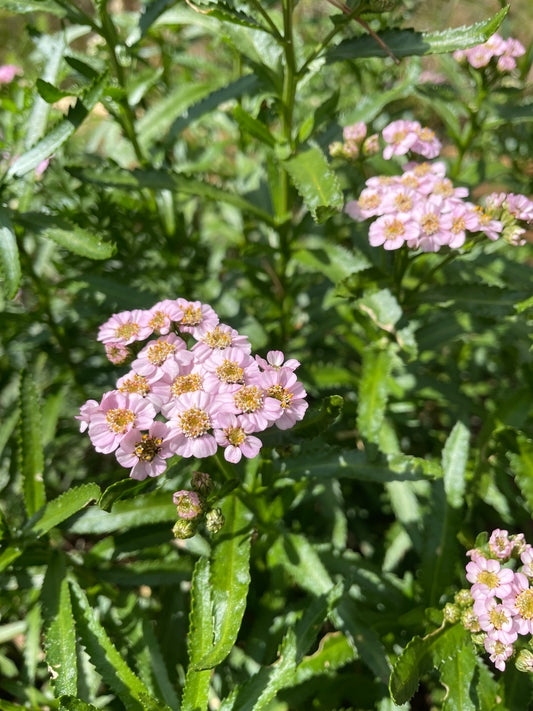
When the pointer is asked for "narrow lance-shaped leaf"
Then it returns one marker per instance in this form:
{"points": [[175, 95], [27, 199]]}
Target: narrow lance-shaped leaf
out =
{"points": [[454, 460], [59, 631], [31, 451], [404, 43], [61, 508], [10, 272], [230, 578], [373, 393], [61, 132], [316, 182], [196, 689], [106, 658]]}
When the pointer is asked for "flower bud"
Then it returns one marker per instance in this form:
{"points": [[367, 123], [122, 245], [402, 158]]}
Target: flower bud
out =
{"points": [[463, 598], [371, 145], [451, 612], [470, 620], [188, 503], [214, 520], [185, 528], [336, 149], [524, 661], [202, 483]]}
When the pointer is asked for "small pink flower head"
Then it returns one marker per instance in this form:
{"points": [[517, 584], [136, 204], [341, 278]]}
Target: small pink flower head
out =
{"points": [[228, 369], [8, 72], [500, 545], [188, 503], [162, 315], [368, 205], [218, 339], [197, 317], [235, 436], [392, 231], [124, 328], [498, 621], [356, 132], [145, 452], [165, 354], [256, 408], [427, 144], [286, 388], [86, 410], [488, 578], [117, 414], [276, 360], [192, 418], [499, 652], [117, 353], [400, 136], [520, 602], [371, 145]]}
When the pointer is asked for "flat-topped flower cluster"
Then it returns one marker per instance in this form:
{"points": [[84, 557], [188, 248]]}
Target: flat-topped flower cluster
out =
{"points": [[502, 594], [193, 386], [504, 52], [421, 207]]}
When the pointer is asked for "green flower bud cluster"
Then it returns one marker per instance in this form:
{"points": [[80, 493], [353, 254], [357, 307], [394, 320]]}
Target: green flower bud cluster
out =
{"points": [[194, 508]]}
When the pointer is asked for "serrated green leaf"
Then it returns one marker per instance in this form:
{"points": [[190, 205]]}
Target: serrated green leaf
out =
{"points": [[301, 561], [457, 674], [71, 237], [336, 262], [334, 651], [196, 689], [405, 43], [25, 6], [524, 305], [230, 579], [158, 667], [59, 631], [71, 703], [51, 48], [124, 489], [61, 508], [226, 13], [9, 256], [373, 393], [31, 451], [492, 301], [146, 509], [454, 460], [382, 307], [51, 93], [165, 180], [61, 132], [315, 181], [253, 126], [415, 660], [106, 658]]}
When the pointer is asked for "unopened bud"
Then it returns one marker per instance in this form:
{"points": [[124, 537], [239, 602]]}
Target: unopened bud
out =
{"points": [[188, 503], [336, 149], [524, 661], [214, 520], [371, 145], [479, 639], [470, 621], [202, 483], [463, 598], [451, 612], [184, 528]]}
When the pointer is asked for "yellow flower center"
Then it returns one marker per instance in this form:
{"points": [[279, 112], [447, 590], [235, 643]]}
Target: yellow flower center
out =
{"points": [[430, 224], [284, 396], [230, 372], [186, 384], [498, 618], [394, 228], [192, 316], [489, 579], [126, 330], [158, 320], [119, 419], [524, 604], [369, 201], [403, 202], [136, 384], [248, 399], [217, 339], [159, 352], [148, 448], [194, 422], [235, 435], [458, 225]]}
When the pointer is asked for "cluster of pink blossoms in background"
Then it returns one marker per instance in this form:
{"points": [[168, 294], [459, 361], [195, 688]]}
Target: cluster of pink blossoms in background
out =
{"points": [[496, 47], [193, 387], [503, 597], [422, 208]]}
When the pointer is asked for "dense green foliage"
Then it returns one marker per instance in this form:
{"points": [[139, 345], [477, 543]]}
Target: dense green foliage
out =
{"points": [[189, 158]]}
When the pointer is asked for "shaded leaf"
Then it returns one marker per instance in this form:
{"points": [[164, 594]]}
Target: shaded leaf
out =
{"points": [[30, 447], [373, 393], [9, 256], [454, 460]]}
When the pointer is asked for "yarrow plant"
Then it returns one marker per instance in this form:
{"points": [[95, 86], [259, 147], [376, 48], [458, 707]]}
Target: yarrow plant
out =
{"points": [[421, 207], [504, 52], [193, 387], [498, 608]]}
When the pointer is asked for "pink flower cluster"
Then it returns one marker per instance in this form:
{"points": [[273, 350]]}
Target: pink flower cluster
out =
{"points": [[496, 47], [420, 208], [355, 142], [503, 596], [194, 386]]}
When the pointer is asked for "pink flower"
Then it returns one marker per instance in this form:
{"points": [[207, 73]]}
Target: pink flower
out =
{"points": [[401, 137], [125, 328], [284, 386], [489, 578], [227, 370], [235, 436], [8, 72], [392, 231], [520, 602], [368, 205], [499, 652], [86, 410], [165, 354], [276, 360], [258, 410], [427, 144], [197, 317], [192, 418], [145, 453], [188, 503], [500, 545], [218, 339], [116, 353], [498, 621], [117, 414], [162, 315]]}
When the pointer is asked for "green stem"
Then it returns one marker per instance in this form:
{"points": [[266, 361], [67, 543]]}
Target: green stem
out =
{"points": [[325, 42], [268, 19]]}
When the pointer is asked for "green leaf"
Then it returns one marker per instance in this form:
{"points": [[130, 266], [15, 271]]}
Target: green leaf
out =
{"points": [[62, 508], [146, 509], [124, 489], [30, 447], [226, 13], [319, 419], [106, 658], [59, 631], [522, 466], [230, 579], [334, 651], [165, 180], [196, 689], [158, 667], [67, 235], [301, 561], [9, 256], [317, 184], [336, 262], [415, 661], [457, 674], [25, 6], [51, 93], [61, 132], [51, 48], [253, 126], [404, 43], [373, 393], [382, 308], [454, 461], [68, 702]]}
